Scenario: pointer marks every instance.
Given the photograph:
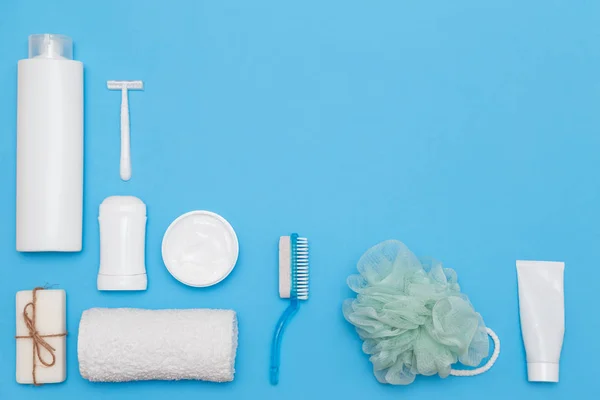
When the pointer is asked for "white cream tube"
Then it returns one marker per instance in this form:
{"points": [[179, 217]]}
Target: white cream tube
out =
{"points": [[542, 310]]}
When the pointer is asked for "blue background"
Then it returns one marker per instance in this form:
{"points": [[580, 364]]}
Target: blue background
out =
{"points": [[466, 129]]}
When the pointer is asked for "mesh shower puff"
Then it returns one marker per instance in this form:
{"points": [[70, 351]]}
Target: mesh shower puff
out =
{"points": [[411, 315]]}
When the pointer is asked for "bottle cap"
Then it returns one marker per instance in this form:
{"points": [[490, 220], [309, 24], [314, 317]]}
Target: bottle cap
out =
{"points": [[48, 45], [542, 372]]}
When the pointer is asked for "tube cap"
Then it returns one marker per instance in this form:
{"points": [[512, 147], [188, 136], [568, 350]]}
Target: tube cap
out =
{"points": [[542, 372]]}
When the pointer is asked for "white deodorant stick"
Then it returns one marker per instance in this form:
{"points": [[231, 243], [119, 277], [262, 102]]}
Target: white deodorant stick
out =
{"points": [[41, 336], [49, 146], [122, 244]]}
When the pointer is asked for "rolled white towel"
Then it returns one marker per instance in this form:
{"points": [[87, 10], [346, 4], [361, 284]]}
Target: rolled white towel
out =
{"points": [[128, 344]]}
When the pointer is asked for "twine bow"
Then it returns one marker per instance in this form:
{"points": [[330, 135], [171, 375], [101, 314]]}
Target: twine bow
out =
{"points": [[38, 340]]}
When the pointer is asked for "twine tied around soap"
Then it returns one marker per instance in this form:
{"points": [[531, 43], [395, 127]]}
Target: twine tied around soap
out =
{"points": [[37, 339]]}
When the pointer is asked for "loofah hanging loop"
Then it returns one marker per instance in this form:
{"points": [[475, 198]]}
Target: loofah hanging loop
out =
{"points": [[413, 318]]}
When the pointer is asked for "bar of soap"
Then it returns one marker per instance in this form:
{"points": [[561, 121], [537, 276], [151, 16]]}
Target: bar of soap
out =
{"points": [[50, 319]]}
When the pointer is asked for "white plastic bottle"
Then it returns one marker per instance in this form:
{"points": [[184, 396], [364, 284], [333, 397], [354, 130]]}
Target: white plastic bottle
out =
{"points": [[49, 146]]}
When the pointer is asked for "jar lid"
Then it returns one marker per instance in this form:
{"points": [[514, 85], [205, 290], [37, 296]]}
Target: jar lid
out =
{"points": [[200, 248]]}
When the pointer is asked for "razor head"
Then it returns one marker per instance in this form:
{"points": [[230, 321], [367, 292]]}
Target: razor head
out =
{"points": [[129, 85]]}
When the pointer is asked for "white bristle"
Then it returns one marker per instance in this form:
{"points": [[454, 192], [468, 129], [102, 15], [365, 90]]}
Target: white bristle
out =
{"points": [[302, 276], [285, 265]]}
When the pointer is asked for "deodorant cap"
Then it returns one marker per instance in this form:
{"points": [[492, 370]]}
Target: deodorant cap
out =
{"points": [[122, 204]]}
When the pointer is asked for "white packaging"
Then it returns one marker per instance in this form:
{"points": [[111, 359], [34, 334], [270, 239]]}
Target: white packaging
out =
{"points": [[542, 311], [49, 147], [122, 244], [51, 326]]}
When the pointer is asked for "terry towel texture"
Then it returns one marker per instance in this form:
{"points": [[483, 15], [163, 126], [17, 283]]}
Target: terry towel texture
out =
{"points": [[128, 344]]}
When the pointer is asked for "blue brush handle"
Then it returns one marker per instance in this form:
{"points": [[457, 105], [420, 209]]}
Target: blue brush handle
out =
{"points": [[276, 345]]}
